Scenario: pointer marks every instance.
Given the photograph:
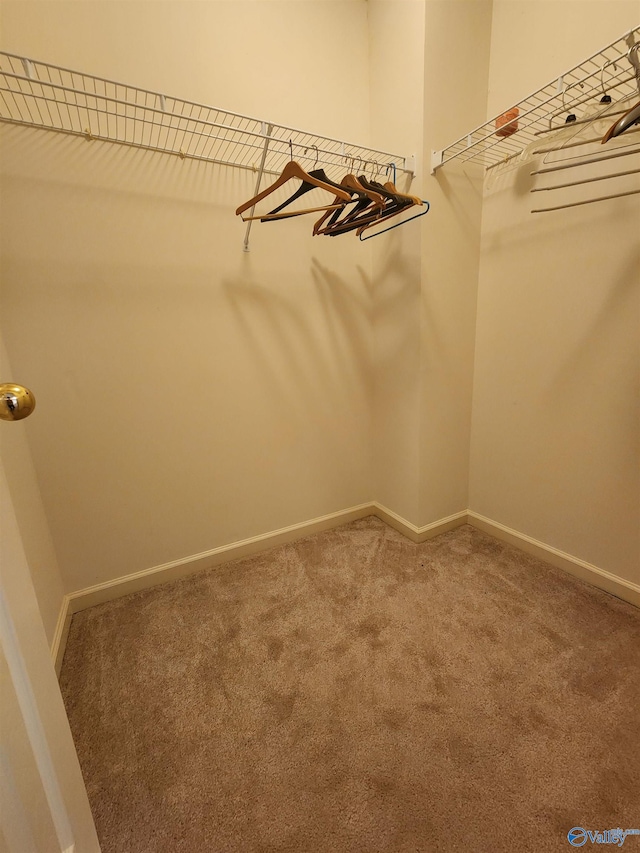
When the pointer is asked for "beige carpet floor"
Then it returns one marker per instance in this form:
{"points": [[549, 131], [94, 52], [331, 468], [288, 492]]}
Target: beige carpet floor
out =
{"points": [[357, 693]]}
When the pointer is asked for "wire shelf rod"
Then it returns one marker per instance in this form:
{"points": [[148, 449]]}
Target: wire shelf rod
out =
{"points": [[53, 97], [609, 70], [496, 140], [176, 128], [251, 167], [119, 101], [182, 154]]}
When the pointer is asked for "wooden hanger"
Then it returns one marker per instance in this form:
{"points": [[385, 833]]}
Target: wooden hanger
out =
{"points": [[364, 221], [394, 203], [364, 201], [392, 188], [366, 215], [270, 217], [377, 188], [305, 187], [292, 170], [368, 198]]}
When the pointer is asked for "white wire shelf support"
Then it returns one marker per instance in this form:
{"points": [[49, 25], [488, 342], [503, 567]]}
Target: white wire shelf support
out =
{"points": [[38, 94], [614, 71]]}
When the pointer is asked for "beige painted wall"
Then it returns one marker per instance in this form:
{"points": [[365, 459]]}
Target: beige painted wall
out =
{"points": [[456, 74], [555, 446], [189, 395], [397, 30], [300, 62], [27, 502], [426, 273]]}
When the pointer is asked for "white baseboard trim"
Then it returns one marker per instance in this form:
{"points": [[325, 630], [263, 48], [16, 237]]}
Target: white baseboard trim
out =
{"points": [[59, 642], [419, 534], [621, 588], [167, 572]]}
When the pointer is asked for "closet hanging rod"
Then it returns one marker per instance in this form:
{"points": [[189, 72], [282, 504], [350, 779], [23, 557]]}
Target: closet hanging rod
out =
{"points": [[41, 95], [584, 81]]}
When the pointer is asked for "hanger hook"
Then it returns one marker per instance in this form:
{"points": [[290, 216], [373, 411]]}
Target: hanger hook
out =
{"points": [[604, 91], [571, 116], [317, 153], [290, 149], [635, 62], [606, 98], [377, 172]]}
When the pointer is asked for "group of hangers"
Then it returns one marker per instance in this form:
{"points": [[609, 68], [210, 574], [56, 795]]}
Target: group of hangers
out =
{"points": [[358, 204], [630, 117]]}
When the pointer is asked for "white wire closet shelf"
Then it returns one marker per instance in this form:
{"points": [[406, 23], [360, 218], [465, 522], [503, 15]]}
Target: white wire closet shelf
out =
{"points": [[614, 71], [47, 96]]}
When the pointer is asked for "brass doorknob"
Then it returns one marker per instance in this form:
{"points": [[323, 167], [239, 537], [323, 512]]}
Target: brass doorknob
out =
{"points": [[16, 402]]}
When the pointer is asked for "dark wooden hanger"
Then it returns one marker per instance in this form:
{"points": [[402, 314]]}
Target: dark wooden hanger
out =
{"points": [[392, 187], [368, 219], [378, 188], [368, 198], [362, 203], [360, 217]]}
